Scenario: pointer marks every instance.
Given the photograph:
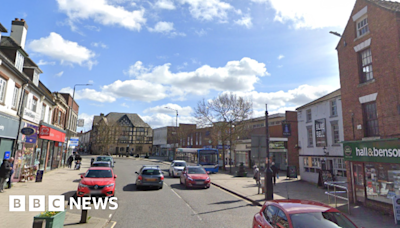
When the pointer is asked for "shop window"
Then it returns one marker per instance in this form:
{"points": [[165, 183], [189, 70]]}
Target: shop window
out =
{"points": [[382, 181], [339, 167], [370, 119]]}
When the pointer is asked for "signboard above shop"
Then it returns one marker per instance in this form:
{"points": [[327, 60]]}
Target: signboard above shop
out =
{"points": [[28, 131], [386, 151]]}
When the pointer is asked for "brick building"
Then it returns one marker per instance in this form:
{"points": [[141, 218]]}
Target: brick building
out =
{"points": [[369, 64]]}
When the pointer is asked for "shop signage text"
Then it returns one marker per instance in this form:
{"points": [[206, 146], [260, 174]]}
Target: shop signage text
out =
{"points": [[53, 135], [31, 116], [373, 151], [28, 131]]}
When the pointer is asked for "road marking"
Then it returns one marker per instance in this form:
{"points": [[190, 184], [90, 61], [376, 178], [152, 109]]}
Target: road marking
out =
{"points": [[109, 216], [194, 212], [113, 224], [166, 184]]}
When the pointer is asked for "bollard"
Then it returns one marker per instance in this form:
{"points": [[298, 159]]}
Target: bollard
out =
{"points": [[84, 216], [39, 223]]}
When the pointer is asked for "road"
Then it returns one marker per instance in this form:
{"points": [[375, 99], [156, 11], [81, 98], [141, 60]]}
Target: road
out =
{"points": [[172, 206]]}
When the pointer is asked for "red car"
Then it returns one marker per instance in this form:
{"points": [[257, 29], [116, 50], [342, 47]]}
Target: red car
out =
{"points": [[97, 181], [195, 176], [299, 214]]}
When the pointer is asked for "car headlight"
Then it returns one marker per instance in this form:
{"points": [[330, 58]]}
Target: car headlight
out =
{"points": [[82, 185], [208, 178], [109, 185], [189, 178]]}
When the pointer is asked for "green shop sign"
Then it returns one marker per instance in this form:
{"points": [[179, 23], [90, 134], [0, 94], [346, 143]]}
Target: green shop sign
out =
{"points": [[387, 151]]}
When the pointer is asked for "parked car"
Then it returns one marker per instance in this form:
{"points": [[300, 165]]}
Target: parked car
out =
{"points": [[299, 214], [176, 168], [150, 176], [106, 158], [101, 164], [195, 176], [97, 182]]}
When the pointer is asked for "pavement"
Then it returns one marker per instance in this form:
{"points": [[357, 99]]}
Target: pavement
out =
{"points": [[61, 181]]}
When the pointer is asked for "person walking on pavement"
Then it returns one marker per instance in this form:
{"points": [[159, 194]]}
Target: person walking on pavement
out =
{"points": [[78, 160], [70, 160], [274, 171], [5, 170], [11, 160], [256, 175]]}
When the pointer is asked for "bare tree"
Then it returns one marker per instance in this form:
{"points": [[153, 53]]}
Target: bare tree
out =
{"points": [[107, 136], [225, 114]]}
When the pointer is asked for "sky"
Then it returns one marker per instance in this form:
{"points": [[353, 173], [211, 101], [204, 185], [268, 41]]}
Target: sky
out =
{"points": [[142, 56]]}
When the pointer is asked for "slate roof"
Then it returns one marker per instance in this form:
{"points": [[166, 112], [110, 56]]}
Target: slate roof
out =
{"points": [[2, 28], [112, 117], [329, 96], [8, 42], [389, 5]]}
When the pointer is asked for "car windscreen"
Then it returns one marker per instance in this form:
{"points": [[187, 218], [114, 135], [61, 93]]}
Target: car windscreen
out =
{"points": [[103, 159], [151, 172], [99, 174], [196, 170], [180, 164], [321, 219], [101, 164]]}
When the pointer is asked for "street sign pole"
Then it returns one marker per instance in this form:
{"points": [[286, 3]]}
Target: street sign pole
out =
{"points": [[269, 188]]}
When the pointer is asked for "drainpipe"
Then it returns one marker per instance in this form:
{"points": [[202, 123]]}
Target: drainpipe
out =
{"points": [[20, 113]]}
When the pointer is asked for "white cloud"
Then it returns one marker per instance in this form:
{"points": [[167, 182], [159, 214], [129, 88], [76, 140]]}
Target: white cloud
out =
{"points": [[137, 69], [42, 63], [291, 98], [208, 9], [93, 28], [99, 44], [202, 32], [281, 57], [125, 105], [68, 52], [59, 74], [311, 14], [166, 28], [165, 4], [182, 111], [245, 21], [161, 120], [90, 82], [88, 121], [136, 90], [102, 12], [90, 94]]}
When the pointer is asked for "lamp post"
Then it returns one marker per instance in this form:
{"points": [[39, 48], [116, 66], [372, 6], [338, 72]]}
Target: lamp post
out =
{"points": [[269, 188], [176, 128]]}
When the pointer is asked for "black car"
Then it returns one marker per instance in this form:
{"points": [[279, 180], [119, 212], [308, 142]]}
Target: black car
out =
{"points": [[150, 176]]}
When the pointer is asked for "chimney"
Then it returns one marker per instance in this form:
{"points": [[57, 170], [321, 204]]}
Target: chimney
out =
{"points": [[19, 29], [101, 114]]}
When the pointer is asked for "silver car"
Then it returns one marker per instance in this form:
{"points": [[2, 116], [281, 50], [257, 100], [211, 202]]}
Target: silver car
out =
{"points": [[176, 168], [150, 176]]}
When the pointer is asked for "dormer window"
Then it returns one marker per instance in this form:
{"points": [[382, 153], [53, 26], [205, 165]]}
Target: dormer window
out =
{"points": [[19, 61], [36, 78]]}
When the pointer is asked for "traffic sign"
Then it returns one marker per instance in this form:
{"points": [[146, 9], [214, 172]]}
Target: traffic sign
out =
{"points": [[73, 141]]}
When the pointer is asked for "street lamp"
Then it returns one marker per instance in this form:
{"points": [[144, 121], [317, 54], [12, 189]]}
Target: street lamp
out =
{"points": [[335, 33]]}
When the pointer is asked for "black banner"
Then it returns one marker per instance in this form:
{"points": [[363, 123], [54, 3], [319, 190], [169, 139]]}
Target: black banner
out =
{"points": [[291, 172]]}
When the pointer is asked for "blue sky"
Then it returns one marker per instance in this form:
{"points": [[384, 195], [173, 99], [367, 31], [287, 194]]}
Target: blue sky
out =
{"points": [[142, 56]]}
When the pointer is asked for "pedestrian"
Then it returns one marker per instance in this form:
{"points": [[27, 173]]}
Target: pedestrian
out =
{"points": [[11, 160], [275, 171], [70, 160], [256, 175], [78, 160], [5, 170]]}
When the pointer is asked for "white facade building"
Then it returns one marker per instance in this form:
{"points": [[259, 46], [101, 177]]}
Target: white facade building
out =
{"points": [[320, 131]]}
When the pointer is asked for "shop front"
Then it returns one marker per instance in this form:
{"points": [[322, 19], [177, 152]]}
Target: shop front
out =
{"points": [[375, 170], [51, 143], [8, 133]]}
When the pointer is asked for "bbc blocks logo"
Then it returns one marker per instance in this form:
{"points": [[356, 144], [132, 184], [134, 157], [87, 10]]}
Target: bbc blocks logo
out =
{"points": [[58, 203]]}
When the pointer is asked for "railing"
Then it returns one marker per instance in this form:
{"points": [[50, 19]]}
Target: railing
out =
{"points": [[336, 184]]}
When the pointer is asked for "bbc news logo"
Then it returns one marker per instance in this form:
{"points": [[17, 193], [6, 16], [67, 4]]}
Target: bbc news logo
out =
{"points": [[57, 203]]}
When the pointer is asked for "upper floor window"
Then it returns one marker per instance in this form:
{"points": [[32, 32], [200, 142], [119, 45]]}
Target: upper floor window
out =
{"points": [[370, 119], [335, 132], [59, 117], [35, 78], [34, 104], [43, 112], [49, 116], [362, 27], [366, 65], [310, 142], [308, 115], [15, 97], [333, 108], [19, 61], [3, 84]]}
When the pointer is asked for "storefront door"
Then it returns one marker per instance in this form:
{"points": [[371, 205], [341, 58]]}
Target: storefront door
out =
{"points": [[359, 181]]}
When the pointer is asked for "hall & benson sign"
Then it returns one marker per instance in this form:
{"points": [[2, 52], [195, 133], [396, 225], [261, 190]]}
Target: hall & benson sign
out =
{"points": [[387, 151]]}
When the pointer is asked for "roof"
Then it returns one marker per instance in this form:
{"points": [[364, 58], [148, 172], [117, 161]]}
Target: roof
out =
{"points": [[294, 206], [329, 96], [113, 117], [389, 5], [28, 63], [9, 42], [2, 28]]}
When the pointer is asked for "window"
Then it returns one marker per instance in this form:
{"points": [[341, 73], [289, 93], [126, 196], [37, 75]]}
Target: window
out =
{"points": [[335, 132], [382, 180], [34, 105], [339, 167], [59, 117], [35, 78], [269, 213], [333, 108], [366, 65], [3, 84], [19, 61], [310, 142], [15, 98], [362, 27], [281, 219], [308, 115], [370, 119], [200, 142], [49, 116], [197, 138], [43, 112]]}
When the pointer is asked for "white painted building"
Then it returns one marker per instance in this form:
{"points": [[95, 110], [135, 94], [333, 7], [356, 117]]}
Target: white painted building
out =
{"points": [[320, 131]]}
